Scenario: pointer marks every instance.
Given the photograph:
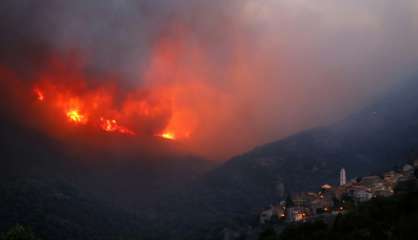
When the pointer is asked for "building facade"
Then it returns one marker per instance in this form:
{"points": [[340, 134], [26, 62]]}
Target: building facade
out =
{"points": [[343, 177]]}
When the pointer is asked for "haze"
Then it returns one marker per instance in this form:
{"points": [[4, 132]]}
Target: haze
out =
{"points": [[242, 73]]}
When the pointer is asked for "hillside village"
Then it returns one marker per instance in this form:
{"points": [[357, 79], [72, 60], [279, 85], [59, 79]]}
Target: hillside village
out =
{"points": [[332, 200]]}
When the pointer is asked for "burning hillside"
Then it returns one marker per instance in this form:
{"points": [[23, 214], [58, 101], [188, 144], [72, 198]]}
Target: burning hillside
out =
{"points": [[63, 96]]}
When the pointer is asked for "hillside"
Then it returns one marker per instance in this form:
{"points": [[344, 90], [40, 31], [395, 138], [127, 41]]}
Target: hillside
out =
{"points": [[377, 138], [84, 191], [123, 170], [56, 210]]}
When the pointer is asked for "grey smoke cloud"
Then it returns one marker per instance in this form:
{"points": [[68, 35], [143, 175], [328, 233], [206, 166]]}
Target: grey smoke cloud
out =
{"points": [[273, 67]]}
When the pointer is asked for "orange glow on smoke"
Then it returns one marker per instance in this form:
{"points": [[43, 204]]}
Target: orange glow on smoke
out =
{"points": [[171, 101], [91, 105], [67, 98], [146, 112]]}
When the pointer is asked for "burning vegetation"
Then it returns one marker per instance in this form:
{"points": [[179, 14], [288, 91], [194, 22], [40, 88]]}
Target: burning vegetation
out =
{"points": [[95, 108], [64, 96]]}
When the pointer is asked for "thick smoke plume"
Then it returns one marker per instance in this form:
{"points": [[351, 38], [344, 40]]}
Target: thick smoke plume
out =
{"points": [[236, 73]]}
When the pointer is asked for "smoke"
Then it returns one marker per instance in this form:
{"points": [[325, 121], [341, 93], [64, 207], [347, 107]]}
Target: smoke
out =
{"points": [[241, 73]]}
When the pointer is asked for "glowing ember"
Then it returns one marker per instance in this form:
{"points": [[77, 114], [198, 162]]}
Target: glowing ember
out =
{"points": [[74, 116], [113, 126], [39, 94], [168, 135]]}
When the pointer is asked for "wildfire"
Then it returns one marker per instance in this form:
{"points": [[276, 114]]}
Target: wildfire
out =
{"points": [[168, 136], [67, 96], [91, 106], [75, 117], [39, 94], [113, 126], [71, 105]]}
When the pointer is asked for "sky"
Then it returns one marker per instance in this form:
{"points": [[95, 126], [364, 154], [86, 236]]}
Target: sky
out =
{"points": [[239, 73]]}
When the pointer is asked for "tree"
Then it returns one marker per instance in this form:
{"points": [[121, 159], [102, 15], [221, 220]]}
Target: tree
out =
{"points": [[268, 234], [18, 232]]}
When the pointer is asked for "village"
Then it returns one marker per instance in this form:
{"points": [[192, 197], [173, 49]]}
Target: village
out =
{"points": [[330, 200]]}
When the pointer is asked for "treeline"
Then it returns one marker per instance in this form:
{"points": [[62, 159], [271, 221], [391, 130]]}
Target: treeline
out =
{"points": [[55, 210], [394, 218], [19, 232]]}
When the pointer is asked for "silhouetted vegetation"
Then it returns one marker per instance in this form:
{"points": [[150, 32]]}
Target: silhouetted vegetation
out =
{"points": [[53, 210], [268, 234], [18, 232]]}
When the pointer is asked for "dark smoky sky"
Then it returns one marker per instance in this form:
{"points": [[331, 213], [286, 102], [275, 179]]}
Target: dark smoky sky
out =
{"points": [[271, 67], [115, 34]]}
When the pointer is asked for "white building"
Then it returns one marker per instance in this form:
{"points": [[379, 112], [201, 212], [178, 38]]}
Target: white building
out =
{"points": [[343, 177]]}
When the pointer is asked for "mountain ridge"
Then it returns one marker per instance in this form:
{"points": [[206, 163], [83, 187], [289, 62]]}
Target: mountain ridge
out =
{"points": [[378, 137]]}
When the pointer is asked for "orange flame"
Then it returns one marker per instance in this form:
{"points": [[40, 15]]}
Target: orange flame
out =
{"points": [[113, 126], [68, 96], [168, 136], [39, 94], [71, 106], [75, 117], [90, 107]]}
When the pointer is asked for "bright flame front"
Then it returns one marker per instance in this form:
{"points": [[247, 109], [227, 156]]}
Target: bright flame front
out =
{"points": [[168, 135], [113, 126], [97, 108], [39, 94], [75, 117]]}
